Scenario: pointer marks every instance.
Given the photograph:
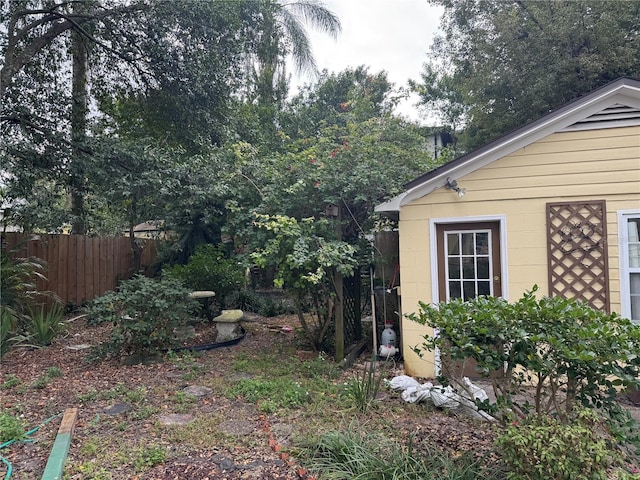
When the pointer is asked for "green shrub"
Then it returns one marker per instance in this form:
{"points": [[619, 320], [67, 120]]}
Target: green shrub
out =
{"points": [[18, 294], [209, 268], [18, 281], [542, 448], [274, 307], [11, 428], [145, 313], [570, 352], [104, 309], [7, 330]]}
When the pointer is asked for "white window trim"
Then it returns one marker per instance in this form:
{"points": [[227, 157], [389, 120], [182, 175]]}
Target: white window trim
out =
{"points": [[623, 256], [433, 254]]}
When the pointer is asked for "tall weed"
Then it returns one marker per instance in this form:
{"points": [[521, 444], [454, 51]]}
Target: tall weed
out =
{"points": [[347, 455]]}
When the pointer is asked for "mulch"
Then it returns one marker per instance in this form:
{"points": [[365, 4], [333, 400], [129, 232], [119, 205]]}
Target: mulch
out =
{"points": [[262, 456]]}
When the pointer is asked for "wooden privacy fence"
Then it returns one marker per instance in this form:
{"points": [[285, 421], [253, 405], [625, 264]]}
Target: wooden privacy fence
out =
{"points": [[80, 268]]}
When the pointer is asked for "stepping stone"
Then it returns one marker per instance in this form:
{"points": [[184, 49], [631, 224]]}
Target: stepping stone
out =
{"points": [[198, 391], [82, 346], [117, 409], [253, 465], [282, 432], [228, 324], [238, 428], [176, 419], [228, 465]]}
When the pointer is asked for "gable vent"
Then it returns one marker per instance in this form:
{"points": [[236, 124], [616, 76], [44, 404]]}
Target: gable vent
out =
{"points": [[614, 116]]}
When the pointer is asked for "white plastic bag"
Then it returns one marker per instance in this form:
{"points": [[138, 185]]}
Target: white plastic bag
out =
{"points": [[402, 382], [421, 393]]}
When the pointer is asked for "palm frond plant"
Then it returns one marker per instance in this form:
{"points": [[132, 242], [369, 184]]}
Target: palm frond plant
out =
{"points": [[45, 324], [18, 293], [18, 281]]}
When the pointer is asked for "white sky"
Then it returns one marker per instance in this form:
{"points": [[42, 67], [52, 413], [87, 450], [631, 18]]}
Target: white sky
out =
{"points": [[390, 35]]}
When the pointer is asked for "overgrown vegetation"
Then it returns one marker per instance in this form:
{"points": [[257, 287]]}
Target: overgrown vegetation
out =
{"points": [[351, 454], [364, 388], [567, 351], [210, 268], [306, 263], [541, 447], [27, 316], [11, 428], [45, 324], [547, 357], [145, 314]]}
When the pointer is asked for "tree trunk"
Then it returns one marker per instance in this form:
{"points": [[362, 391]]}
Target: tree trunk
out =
{"points": [[79, 111]]}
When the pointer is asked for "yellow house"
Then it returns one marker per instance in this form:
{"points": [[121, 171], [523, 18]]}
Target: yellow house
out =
{"points": [[555, 203]]}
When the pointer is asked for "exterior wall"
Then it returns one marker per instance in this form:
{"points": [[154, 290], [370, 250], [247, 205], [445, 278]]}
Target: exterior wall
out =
{"points": [[570, 166]]}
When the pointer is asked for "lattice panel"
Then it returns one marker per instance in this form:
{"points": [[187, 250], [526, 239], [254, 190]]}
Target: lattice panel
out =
{"points": [[577, 252], [352, 309]]}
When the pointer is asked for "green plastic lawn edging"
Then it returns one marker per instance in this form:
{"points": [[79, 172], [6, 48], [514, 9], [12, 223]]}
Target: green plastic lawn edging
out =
{"points": [[60, 449]]}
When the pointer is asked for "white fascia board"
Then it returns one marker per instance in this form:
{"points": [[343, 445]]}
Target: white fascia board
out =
{"points": [[623, 94], [392, 205]]}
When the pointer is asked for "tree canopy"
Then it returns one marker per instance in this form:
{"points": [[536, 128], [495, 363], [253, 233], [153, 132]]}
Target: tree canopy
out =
{"points": [[500, 64]]}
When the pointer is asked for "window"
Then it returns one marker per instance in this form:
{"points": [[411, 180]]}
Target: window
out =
{"points": [[468, 266], [629, 233]]}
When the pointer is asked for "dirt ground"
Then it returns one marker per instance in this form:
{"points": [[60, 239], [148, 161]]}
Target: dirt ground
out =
{"points": [[247, 443]]}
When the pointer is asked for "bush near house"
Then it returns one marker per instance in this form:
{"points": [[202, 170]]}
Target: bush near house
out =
{"points": [[545, 357]]}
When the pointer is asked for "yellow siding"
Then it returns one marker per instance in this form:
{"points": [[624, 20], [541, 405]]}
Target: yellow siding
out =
{"points": [[564, 167]]}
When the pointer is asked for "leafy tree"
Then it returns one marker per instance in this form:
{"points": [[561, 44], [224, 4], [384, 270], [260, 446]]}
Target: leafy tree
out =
{"points": [[501, 64], [167, 69], [342, 146], [353, 94], [306, 258]]}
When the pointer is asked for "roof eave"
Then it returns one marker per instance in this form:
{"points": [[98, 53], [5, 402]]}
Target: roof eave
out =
{"points": [[509, 143]]}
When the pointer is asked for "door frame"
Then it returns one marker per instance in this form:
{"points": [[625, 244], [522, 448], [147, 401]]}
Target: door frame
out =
{"points": [[433, 249], [433, 255]]}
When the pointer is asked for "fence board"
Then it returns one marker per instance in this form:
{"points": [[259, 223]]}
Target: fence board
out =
{"points": [[79, 268], [97, 272], [54, 259], [88, 262], [81, 290], [62, 268]]}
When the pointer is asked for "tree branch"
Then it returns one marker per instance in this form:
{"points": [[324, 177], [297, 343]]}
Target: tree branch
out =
{"points": [[14, 62]]}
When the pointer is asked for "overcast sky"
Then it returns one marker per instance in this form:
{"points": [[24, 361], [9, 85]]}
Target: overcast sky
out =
{"points": [[390, 35]]}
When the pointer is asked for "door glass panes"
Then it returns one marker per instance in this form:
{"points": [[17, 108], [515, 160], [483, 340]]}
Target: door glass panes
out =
{"points": [[484, 288], [483, 267], [468, 245], [454, 290], [468, 267], [468, 264], [454, 267], [453, 244]]}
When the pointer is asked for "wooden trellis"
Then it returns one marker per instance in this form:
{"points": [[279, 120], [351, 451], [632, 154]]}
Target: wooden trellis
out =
{"points": [[577, 252]]}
